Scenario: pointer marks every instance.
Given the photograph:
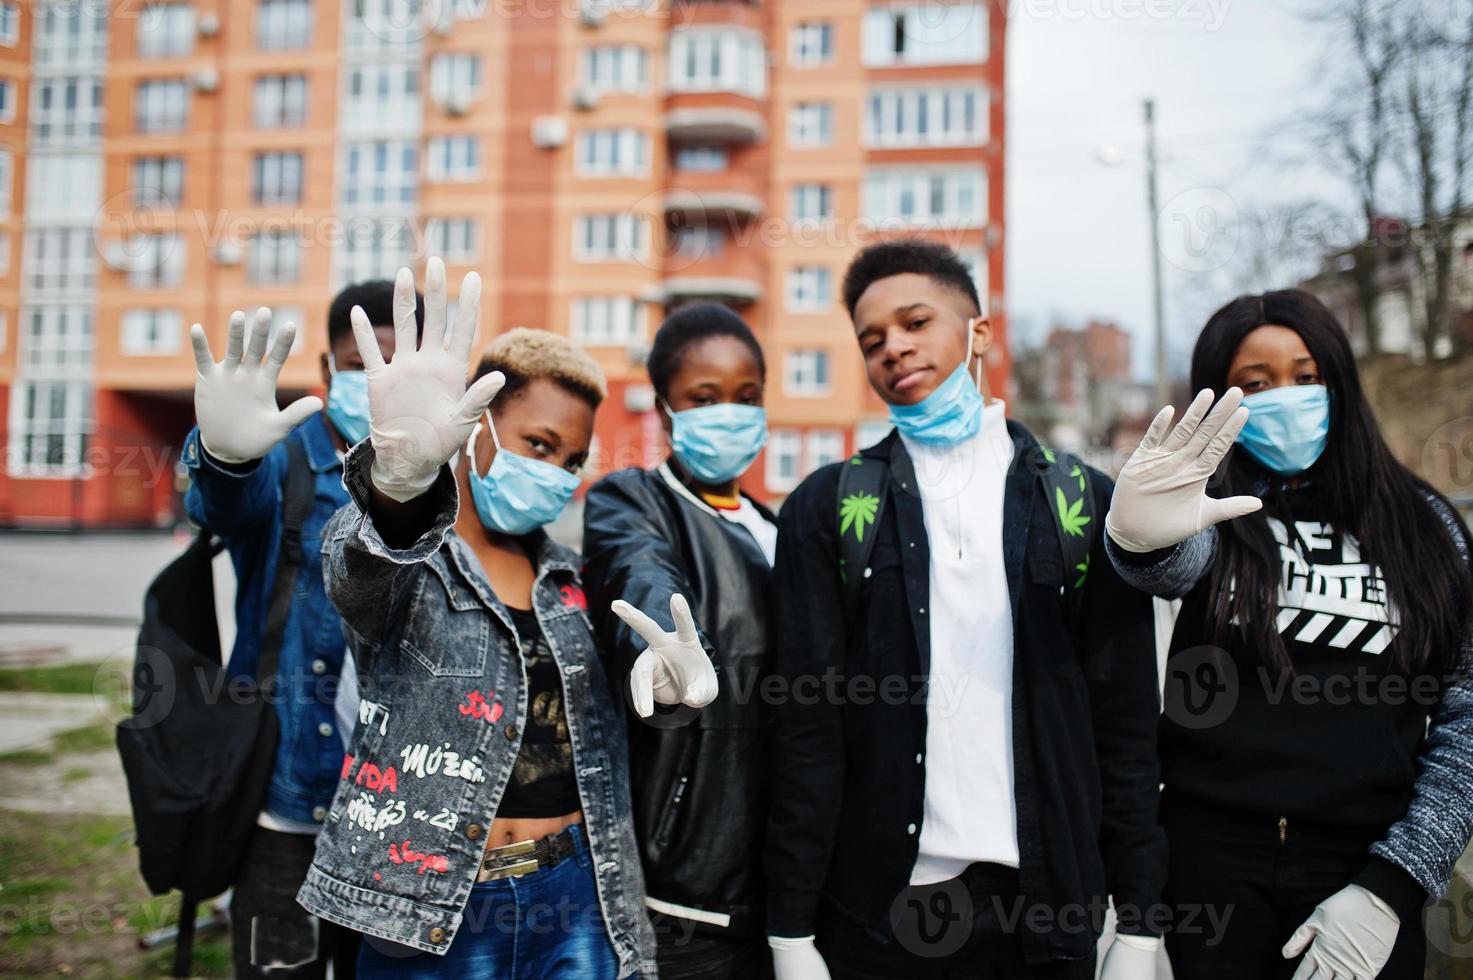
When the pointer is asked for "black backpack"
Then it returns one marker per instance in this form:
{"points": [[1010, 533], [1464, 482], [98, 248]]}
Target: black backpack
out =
{"points": [[863, 493], [199, 748]]}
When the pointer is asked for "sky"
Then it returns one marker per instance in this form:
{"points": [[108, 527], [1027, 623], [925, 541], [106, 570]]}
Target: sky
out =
{"points": [[1226, 75]]}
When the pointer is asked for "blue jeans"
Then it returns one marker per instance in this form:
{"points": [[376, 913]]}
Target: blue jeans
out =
{"points": [[543, 925]]}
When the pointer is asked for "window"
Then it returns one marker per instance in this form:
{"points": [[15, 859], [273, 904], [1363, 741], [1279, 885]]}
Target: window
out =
{"points": [[613, 153], [158, 182], [812, 44], [275, 259], [283, 25], [9, 23], [50, 410], [161, 106], [59, 260], [381, 172], [70, 35], [385, 25], [4, 254], [156, 261], [699, 242], [66, 109], [455, 79], [614, 68], [7, 101], [825, 446], [926, 34], [811, 203], [276, 179], [152, 332], [811, 124], [4, 330], [165, 30], [806, 373], [63, 188], [374, 249], [280, 100], [701, 159], [380, 96], [453, 239], [607, 321], [810, 289], [454, 158], [784, 455], [7, 181], [903, 199], [610, 237], [908, 117], [726, 59]]}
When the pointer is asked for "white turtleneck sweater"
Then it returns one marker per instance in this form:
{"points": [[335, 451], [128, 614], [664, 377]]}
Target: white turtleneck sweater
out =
{"points": [[969, 809]]}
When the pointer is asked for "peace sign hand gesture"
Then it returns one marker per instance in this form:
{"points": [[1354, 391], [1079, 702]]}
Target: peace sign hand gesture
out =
{"points": [[675, 668]]}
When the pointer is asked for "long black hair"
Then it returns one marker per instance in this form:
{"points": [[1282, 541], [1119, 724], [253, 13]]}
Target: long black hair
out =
{"points": [[1361, 488]]}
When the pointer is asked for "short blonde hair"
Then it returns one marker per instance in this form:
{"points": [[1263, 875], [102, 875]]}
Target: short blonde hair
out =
{"points": [[524, 354]]}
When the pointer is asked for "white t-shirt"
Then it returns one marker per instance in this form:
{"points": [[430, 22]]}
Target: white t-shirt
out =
{"points": [[969, 807]]}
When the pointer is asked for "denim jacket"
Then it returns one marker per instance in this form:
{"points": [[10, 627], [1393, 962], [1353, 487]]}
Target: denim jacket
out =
{"points": [[440, 725], [244, 510]]}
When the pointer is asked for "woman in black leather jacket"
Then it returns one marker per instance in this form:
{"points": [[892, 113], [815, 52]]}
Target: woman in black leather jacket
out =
{"points": [[699, 781]]}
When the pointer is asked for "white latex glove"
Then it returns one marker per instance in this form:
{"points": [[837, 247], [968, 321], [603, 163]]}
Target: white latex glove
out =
{"points": [[1161, 496], [796, 959], [1131, 958], [420, 411], [675, 668], [1349, 936], [235, 400]]}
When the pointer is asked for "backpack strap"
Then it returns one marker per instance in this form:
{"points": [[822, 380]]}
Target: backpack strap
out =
{"points": [[1066, 483], [860, 506], [296, 502]]}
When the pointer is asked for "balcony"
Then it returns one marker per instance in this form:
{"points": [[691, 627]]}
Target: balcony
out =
{"points": [[721, 271], [733, 290], [695, 198], [718, 119]]}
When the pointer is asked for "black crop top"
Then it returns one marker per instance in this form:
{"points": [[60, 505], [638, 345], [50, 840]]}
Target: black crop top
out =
{"points": [[542, 782]]}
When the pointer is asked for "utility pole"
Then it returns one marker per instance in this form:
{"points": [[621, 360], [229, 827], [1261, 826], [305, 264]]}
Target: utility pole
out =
{"points": [[1163, 388]]}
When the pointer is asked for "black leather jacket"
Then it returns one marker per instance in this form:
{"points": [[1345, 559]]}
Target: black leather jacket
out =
{"points": [[699, 778]]}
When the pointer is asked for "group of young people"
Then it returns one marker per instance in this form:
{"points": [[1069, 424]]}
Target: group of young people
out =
{"points": [[909, 727]]}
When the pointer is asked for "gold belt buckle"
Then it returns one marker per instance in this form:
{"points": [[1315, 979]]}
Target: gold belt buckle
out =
{"points": [[490, 871]]}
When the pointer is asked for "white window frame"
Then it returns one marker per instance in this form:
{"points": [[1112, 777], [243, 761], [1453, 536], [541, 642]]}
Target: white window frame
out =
{"points": [[698, 242], [621, 152], [7, 181], [611, 237], [453, 158], [70, 35], [380, 174], [279, 101], [808, 373], [889, 192], [784, 446], [718, 59], [54, 358], [151, 332], [274, 258], [811, 43], [809, 289], [156, 260], [277, 178], [58, 261], [53, 122], [373, 248], [161, 105], [810, 124], [9, 24], [607, 321], [822, 447], [929, 34], [165, 30], [456, 76], [284, 25], [614, 68], [158, 181], [701, 159], [388, 97], [454, 239], [810, 204], [388, 26], [8, 96], [913, 116]]}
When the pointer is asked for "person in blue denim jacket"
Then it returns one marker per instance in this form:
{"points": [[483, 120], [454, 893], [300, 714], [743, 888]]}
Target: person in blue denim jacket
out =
{"points": [[237, 461], [483, 824]]}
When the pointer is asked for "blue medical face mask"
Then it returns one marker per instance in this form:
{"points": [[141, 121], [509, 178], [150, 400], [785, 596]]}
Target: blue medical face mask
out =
{"points": [[518, 494], [347, 402], [949, 415], [1287, 427], [716, 443]]}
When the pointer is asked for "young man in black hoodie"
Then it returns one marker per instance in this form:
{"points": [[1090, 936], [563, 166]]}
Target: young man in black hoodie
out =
{"points": [[964, 766]]}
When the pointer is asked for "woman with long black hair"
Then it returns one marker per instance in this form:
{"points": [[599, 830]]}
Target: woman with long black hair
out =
{"points": [[1317, 743], [685, 528]]}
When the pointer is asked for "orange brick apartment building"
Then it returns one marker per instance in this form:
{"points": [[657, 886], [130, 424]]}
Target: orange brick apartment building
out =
{"points": [[163, 162]]}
